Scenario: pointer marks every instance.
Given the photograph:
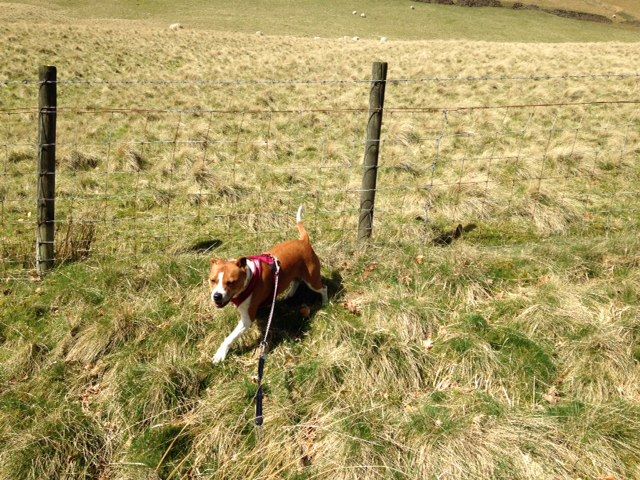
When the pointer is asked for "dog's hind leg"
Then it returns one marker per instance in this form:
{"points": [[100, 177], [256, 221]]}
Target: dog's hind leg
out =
{"points": [[322, 291], [293, 288], [312, 278], [318, 287]]}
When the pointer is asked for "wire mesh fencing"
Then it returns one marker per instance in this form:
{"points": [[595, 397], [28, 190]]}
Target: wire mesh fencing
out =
{"points": [[545, 167], [153, 166]]}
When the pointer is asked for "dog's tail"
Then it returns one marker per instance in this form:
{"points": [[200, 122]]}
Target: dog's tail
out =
{"points": [[304, 236]]}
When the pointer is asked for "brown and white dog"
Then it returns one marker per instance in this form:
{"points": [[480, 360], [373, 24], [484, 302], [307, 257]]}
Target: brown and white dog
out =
{"points": [[248, 282]]}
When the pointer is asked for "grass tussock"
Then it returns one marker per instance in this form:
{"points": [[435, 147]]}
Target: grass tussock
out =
{"points": [[74, 240], [80, 161]]}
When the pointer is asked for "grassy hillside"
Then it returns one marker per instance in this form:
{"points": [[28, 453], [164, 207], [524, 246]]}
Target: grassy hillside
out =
{"points": [[511, 352], [628, 6], [332, 18]]}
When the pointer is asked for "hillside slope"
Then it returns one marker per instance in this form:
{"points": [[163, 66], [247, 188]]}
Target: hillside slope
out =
{"points": [[333, 18]]}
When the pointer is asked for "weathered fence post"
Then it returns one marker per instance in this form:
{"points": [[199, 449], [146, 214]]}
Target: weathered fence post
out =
{"points": [[371, 150], [46, 169]]}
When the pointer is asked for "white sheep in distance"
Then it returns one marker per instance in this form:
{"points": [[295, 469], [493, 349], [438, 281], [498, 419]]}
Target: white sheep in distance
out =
{"points": [[384, 39], [354, 12], [175, 27], [355, 39], [363, 15]]}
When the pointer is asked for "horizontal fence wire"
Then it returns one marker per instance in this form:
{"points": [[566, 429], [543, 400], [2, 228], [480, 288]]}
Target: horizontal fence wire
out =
{"points": [[427, 109], [239, 82], [140, 181], [354, 191]]}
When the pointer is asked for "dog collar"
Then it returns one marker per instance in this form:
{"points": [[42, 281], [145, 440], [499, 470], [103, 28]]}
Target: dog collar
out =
{"points": [[256, 273]]}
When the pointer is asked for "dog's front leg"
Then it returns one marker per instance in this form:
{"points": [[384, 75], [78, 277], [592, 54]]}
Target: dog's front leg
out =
{"points": [[243, 325]]}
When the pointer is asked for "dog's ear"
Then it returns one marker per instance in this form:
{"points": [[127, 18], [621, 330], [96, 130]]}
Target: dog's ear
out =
{"points": [[241, 262], [215, 260]]}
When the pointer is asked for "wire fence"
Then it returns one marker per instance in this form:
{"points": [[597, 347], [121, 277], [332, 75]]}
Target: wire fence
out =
{"points": [[174, 176], [427, 79]]}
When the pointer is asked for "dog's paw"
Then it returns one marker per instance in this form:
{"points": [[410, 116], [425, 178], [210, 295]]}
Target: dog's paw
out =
{"points": [[220, 355]]}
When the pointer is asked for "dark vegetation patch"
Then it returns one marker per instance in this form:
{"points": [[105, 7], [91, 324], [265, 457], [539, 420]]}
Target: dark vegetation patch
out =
{"points": [[447, 238], [479, 3], [575, 15], [439, 2], [590, 17]]}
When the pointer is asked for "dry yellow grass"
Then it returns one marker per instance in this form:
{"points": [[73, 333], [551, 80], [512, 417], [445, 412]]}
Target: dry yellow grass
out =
{"points": [[511, 353]]}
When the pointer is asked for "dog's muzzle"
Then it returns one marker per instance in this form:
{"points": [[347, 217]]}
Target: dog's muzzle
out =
{"points": [[219, 300]]}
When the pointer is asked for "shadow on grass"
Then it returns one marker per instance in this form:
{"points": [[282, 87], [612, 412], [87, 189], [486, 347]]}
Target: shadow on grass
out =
{"points": [[447, 238], [204, 246], [288, 322]]}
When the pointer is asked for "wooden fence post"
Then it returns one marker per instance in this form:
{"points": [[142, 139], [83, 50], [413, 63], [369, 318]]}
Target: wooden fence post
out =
{"points": [[45, 250], [371, 150]]}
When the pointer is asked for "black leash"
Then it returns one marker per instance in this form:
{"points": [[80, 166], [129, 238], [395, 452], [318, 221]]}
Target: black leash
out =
{"points": [[263, 350]]}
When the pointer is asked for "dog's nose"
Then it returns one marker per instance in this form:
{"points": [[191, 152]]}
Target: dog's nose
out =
{"points": [[217, 297]]}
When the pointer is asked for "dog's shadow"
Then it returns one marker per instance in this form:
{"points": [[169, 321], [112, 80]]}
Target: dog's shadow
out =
{"points": [[289, 323]]}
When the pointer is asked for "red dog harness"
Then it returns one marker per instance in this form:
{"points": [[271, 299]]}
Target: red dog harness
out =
{"points": [[256, 273]]}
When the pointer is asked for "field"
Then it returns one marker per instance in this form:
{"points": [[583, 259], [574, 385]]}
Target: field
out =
{"points": [[332, 18], [511, 352]]}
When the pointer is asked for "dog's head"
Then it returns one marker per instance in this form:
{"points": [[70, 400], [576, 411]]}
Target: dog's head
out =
{"points": [[227, 279]]}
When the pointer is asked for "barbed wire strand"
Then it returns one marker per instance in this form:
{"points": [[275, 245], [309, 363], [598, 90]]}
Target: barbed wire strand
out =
{"points": [[283, 215], [354, 110], [394, 141], [427, 186], [394, 81]]}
